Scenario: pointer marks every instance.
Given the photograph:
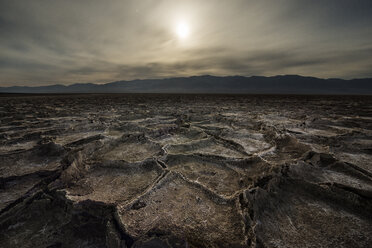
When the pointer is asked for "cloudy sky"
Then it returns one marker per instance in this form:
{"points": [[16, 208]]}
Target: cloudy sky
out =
{"points": [[75, 41]]}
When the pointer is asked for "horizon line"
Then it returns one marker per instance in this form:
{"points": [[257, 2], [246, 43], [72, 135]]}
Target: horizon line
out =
{"points": [[177, 77]]}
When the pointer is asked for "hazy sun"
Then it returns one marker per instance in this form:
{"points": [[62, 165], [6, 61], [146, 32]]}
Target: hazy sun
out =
{"points": [[182, 30]]}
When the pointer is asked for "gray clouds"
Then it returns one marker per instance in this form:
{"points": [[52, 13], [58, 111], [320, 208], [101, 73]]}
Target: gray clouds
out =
{"points": [[45, 42]]}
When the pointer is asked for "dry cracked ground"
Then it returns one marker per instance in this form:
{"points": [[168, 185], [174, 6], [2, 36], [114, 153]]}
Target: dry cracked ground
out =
{"points": [[185, 171]]}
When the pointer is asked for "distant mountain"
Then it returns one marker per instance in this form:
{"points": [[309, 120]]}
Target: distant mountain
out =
{"points": [[288, 84]]}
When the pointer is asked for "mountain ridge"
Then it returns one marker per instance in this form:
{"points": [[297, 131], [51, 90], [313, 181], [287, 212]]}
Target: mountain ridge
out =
{"points": [[280, 84]]}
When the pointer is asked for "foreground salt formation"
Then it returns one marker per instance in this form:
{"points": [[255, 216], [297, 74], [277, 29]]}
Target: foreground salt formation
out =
{"points": [[185, 171]]}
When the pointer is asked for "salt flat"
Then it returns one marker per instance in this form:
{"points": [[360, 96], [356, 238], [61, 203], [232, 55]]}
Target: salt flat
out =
{"points": [[152, 170]]}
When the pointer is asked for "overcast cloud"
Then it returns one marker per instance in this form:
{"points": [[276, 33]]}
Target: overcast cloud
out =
{"points": [[48, 42]]}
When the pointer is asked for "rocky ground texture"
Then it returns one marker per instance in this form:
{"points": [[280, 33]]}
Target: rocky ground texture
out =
{"points": [[185, 171]]}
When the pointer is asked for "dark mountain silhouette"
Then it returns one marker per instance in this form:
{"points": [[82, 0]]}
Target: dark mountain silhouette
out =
{"points": [[288, 84]]}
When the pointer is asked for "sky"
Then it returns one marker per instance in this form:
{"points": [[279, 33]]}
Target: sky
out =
{"points": [[44, 42]]}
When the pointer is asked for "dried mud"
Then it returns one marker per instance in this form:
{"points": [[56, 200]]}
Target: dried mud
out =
{"points": [[185, 171]]}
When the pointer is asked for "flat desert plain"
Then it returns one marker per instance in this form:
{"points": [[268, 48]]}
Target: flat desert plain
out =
{"points": [[132, 170]]}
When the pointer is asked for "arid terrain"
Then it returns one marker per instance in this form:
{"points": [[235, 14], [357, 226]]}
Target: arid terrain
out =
{"points": [[132, 170]]}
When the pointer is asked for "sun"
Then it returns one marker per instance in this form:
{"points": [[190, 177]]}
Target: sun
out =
{"points": [[182, 30]]}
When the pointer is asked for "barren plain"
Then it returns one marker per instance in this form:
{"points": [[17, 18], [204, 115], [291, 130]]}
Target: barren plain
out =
{"points": [[132, 170]]}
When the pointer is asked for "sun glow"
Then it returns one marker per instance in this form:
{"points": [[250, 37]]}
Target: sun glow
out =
{"points": [[182, 30]]}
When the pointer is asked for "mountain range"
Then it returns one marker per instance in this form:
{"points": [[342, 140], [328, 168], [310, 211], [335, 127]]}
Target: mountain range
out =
{"points": [[285, 84]]}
